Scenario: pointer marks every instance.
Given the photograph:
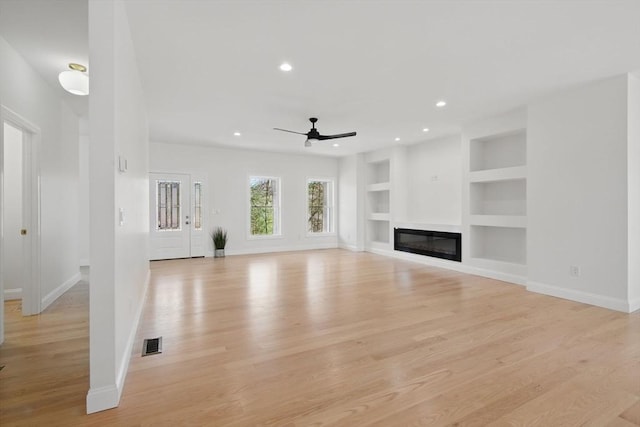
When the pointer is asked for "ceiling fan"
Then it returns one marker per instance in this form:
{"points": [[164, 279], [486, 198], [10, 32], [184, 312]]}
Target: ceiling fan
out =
{"points": [[313, 134]]}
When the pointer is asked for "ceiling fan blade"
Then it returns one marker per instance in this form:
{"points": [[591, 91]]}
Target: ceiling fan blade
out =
{"points": [[340, 135], [290, 131]]}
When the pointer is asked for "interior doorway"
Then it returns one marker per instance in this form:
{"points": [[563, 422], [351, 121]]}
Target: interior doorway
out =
{"points": [[19, 214]]}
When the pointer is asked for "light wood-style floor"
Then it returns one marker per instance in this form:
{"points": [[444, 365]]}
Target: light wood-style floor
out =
{"points": [[333, 338]]}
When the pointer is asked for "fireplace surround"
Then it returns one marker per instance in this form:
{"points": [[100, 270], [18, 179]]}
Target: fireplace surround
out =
{"points": [[439, 244]]}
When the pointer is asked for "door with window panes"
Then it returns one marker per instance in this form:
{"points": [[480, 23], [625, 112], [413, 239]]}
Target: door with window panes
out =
{"points": [[176, 216]]}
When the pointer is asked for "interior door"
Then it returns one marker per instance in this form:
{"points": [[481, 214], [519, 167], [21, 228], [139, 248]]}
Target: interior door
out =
{"points": [[170, 221]]}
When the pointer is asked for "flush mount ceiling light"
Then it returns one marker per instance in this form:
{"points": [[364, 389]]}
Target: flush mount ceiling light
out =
{"points": [[397, 139], [441, 104], [425, 130], [75, 80], [237, 134], [336, 145], [286, 66]]}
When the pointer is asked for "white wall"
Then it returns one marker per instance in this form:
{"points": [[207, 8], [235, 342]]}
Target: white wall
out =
{"points": [[119, 253], [434, 186], [228, 172], [83, 194], [24, 92], [350, 202], [633, 167], [577, 193], [12, 202]]}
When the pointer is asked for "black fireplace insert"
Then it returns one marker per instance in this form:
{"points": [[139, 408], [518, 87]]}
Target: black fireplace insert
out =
{"points": [[439, 244]]}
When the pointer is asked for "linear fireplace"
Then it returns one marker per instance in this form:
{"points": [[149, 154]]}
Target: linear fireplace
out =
{"points": [[437, 244]]}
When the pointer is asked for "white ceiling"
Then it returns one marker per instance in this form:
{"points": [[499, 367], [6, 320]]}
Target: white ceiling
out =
{"points": [[210, 68]]}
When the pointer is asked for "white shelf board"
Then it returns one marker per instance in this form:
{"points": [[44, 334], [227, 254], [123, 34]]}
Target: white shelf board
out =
{"points": [[513, 221], [502, 174], [380, 186], [379, 216], [498, 265]]}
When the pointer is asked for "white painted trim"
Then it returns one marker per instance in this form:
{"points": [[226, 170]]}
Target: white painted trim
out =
{"points": [[85, 262], [124, 366], [291, 248], [12, 294], [634, 305], [57, 292], [583, 297], [349, 247], [107, 397], [31, 210], [451, 265], [102, 398]]}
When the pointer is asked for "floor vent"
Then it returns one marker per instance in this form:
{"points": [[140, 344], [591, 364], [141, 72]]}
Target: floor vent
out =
{"points": [[152, 346]]}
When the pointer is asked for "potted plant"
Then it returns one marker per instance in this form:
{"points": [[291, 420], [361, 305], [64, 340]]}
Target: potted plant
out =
{"points": [[219, 237]]}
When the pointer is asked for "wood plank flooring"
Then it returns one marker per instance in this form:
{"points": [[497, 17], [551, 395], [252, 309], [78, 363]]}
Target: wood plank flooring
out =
{"points": [[338, 338]]}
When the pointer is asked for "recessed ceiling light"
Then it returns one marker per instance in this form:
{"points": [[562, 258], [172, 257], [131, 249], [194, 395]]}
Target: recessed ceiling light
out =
{"points": [[286, 66], [237, 134], [425, 130], [397, 139], [336, 145], [441, 104]]}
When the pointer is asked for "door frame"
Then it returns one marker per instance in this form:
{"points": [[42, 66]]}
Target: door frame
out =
{"points": [[31, 292]]}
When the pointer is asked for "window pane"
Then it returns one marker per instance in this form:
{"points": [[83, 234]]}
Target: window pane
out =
{"points": [[168, 205], [319, 199], [197, 208], [263, 201]]}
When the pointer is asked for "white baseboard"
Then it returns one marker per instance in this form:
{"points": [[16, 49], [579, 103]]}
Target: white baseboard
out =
{"points": [[451, 265], [57, 292], [352, 248], [498, 275], [102, 398], [12, 294], [291, 248], [583, 297], [85, 262], [108, 397], [634, 305]]}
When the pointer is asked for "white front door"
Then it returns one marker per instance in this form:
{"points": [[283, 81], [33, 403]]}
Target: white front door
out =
{"points": [[170, 233], [176, 216]]}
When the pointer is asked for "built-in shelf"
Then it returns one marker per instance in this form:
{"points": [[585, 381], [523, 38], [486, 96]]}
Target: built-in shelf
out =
{"points": [[505, 244], [498, 151], [498, 197], [380, 186], [378, 231], [379, 172], [378, 202], [379, 216], [497, 204], [502, 174]]}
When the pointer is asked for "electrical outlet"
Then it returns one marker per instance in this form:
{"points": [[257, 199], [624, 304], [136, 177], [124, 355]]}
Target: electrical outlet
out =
{"points": [[574, 271]]}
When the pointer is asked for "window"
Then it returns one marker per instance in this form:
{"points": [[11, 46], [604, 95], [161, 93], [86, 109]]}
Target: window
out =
{"points": [[197, 205], [168, 205], [264, 200], [319, 206]]}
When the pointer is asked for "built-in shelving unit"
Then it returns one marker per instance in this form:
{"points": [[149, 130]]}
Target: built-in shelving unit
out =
{"points": [[378, 203], [497, 205]]}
